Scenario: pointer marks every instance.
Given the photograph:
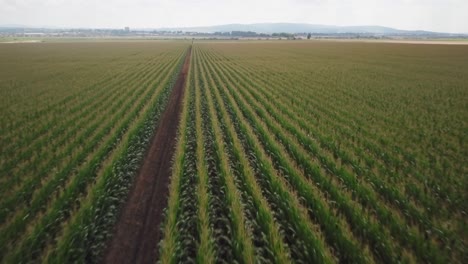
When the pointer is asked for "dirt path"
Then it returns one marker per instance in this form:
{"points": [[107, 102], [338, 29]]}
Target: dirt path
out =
{"points": [[137, 230]]}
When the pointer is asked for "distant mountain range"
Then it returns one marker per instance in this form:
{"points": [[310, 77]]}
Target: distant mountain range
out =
{"points": [[269, 28], [302, 28]]}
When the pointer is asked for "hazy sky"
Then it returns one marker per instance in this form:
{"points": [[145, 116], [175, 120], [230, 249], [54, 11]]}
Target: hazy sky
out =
{"points": [[435, 15]]}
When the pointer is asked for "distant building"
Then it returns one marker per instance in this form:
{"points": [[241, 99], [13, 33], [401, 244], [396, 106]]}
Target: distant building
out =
{"points": [[127, 29], [33, 34]]}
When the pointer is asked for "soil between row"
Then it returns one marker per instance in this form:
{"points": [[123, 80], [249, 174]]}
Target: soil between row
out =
{"points": [[137, 232]]}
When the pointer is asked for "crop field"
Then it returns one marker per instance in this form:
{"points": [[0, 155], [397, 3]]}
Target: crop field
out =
{"points": [[321, 153], [75, 122], [285, 152]]}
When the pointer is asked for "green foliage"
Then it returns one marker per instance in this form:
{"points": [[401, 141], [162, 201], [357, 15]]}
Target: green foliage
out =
{"points": [[287, 152], [70, 175]]}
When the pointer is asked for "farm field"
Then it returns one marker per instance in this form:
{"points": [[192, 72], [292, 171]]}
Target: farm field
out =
{"points": [[286, 151], [76, 119], [321, 153]]}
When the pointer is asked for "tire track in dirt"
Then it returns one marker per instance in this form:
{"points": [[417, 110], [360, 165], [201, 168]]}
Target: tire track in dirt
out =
{"points": [[137, 232]]}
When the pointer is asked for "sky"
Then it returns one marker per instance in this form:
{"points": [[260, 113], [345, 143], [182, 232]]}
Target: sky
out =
{"points": [[434, 15]]}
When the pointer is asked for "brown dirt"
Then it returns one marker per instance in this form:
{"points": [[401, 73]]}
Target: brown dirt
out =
{"points": [[137, 231]]}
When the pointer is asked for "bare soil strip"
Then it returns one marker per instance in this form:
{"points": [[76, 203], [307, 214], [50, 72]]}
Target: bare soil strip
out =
{"points": [[137, 231]]}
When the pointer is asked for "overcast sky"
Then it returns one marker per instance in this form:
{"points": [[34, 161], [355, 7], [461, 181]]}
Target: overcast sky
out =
{"points": [[435, 15]]}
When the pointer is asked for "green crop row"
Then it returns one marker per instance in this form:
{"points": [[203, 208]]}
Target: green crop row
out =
{"points": [[302, 193], [347, 249], [389, 155], [257, 215], [286, 152], [87, 234], [376, 197], [59, 131], [62, 207], [298, 234], [68, 178], [389, 194], [25, 193]]}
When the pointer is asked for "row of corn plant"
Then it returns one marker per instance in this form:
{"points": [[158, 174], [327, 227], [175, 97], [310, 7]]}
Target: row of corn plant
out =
{"points": [[396, 199], [390, 194], [305, 193], [205, 253], [85, 82], [267, 239], [61, 209], [58, 180], [319, 106], [40, 199], [344, 248], [262, 242], [299, 236], [46, 152], [168, 245], [188, 234], [25, 192], [73, 110], [221, 225], [390, 167], [379, 153], [65, 102], [66, 194], [397, 224], [347, 248], [240, 225], [417, 243], [84, 239]]}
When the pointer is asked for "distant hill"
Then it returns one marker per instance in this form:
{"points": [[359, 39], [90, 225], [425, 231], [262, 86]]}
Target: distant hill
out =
{"points": [[13, 26], [265, 28], [299, 28]]}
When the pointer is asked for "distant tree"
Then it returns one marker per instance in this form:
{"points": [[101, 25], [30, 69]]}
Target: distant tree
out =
{"points": [[244, 34], [309, 35]]}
